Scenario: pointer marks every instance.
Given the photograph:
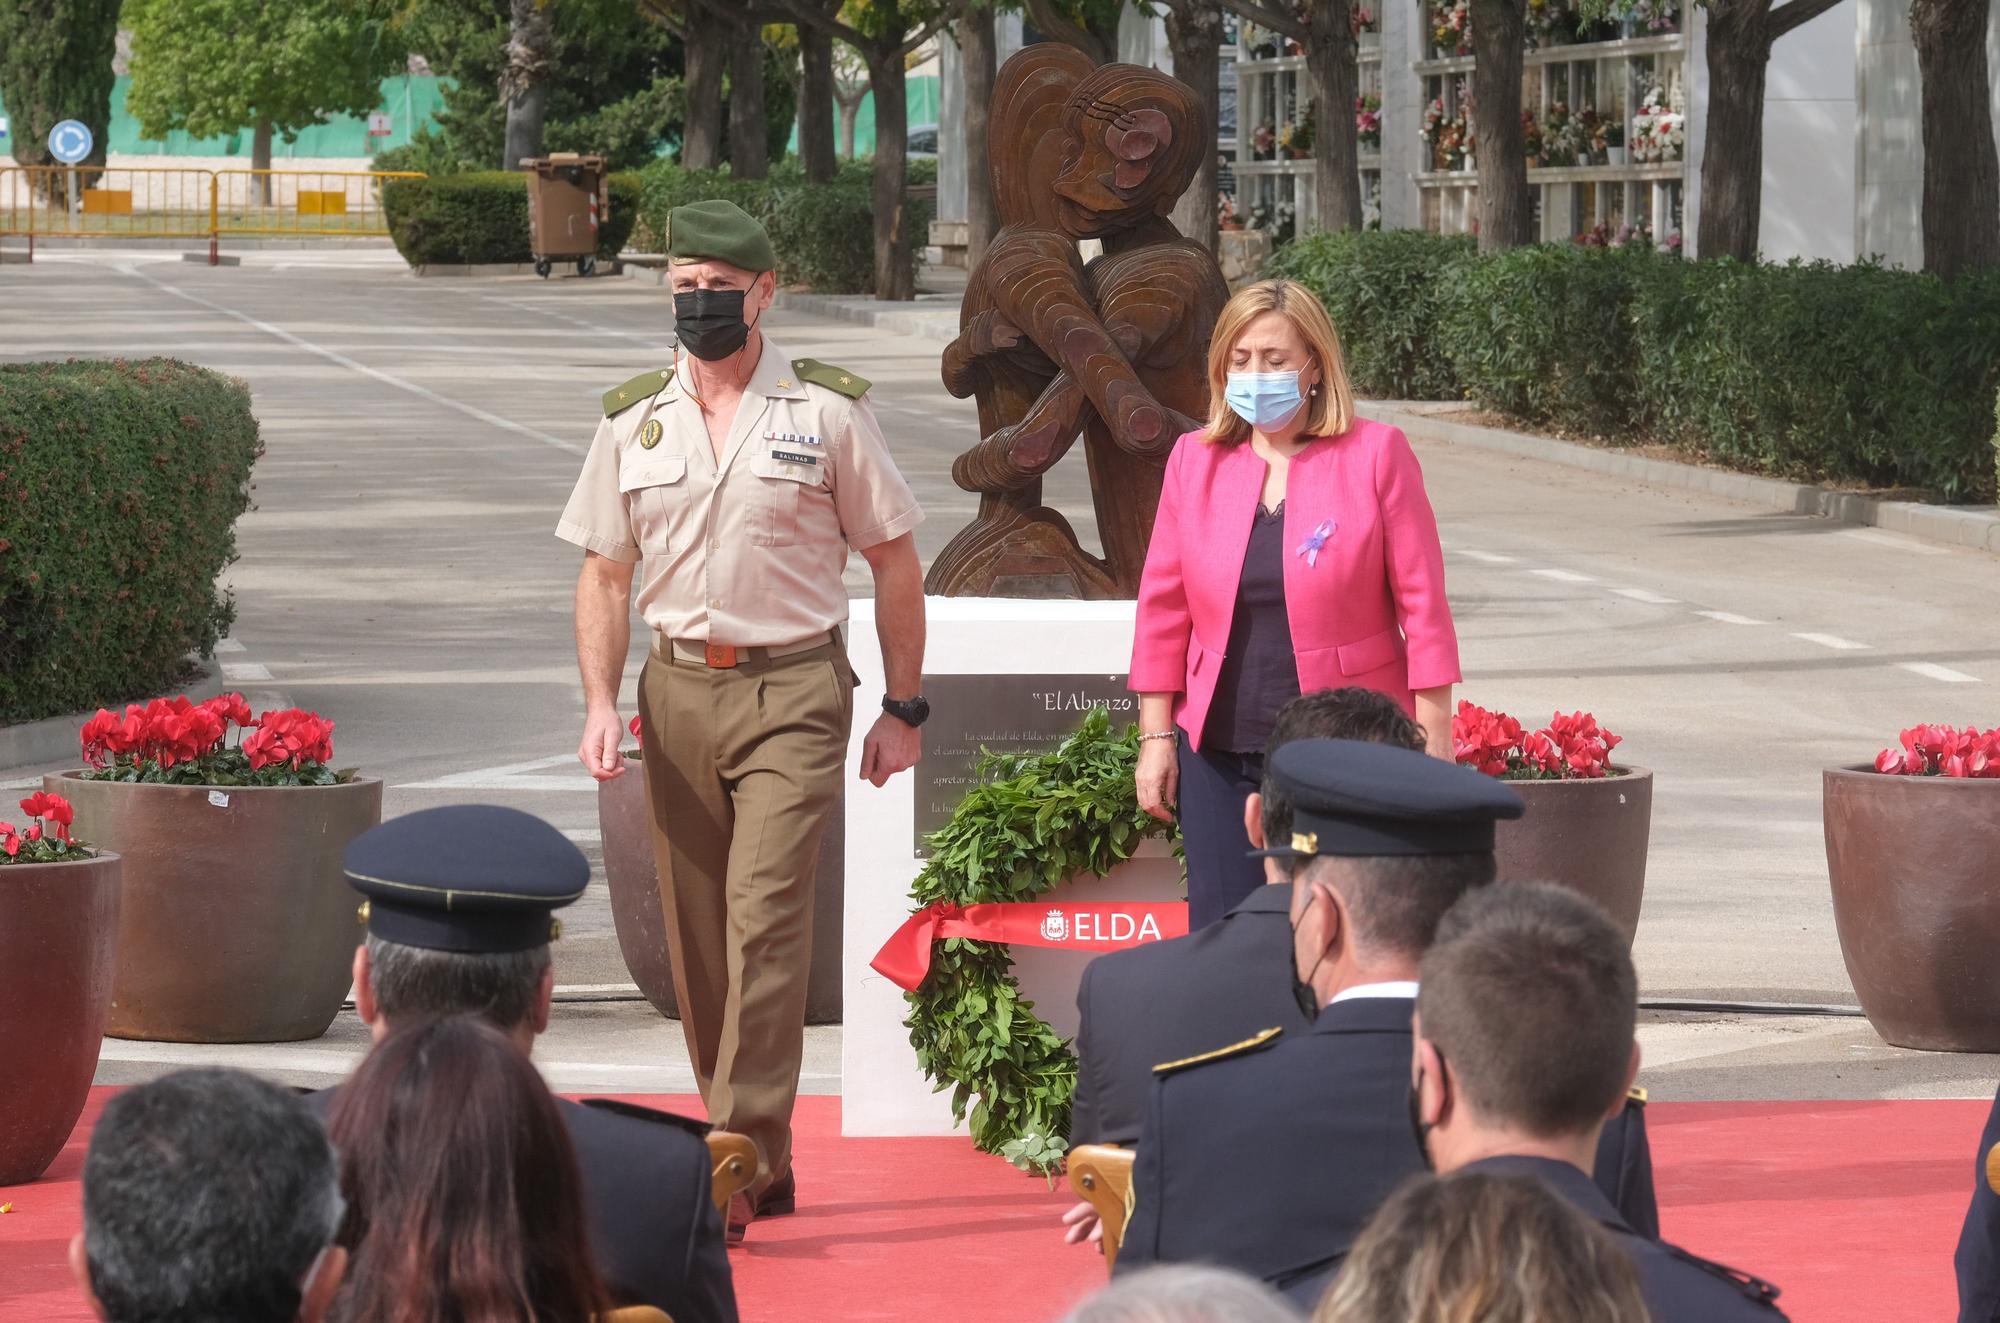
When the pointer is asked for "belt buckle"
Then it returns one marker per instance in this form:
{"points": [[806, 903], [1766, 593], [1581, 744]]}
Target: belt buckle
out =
{"points": [[720, 656]]}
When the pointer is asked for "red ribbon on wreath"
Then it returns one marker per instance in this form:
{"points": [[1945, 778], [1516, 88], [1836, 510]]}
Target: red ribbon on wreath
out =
{"points": [[1100, 926]]}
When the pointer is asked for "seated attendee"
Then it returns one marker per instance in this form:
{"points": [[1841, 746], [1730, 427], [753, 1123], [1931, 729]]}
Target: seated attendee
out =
{"points": [[1524, 1044], [210, 1195], [1268, 1156], [1978, 1258], [463, 1196], [1176, 1293], [460, 917], [1168, 1000], [1477, 1248]]}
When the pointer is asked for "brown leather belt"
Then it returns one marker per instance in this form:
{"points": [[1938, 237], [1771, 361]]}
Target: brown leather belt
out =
{"points": [[725, 656]]}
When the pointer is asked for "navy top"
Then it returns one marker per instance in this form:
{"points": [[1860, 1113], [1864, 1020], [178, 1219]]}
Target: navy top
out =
{"points": [[1260, 673]]}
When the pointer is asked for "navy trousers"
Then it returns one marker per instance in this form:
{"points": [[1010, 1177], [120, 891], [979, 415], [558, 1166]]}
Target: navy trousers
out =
{"points": [[1214, 786]]}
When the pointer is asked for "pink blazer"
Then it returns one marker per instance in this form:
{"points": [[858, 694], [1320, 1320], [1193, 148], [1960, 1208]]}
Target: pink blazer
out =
{"points": [[1370, 610]]}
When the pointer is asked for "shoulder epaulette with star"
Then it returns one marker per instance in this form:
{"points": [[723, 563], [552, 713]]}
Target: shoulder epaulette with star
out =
{"points": [[642, 387], [831, 377], [1637, 1096], [1251, 1044]]}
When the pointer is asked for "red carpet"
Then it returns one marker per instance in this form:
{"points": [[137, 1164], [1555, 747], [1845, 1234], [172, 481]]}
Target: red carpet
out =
{"points": [[1852, 1208]]}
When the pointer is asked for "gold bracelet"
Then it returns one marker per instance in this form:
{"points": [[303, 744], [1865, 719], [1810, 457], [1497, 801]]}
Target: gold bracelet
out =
{"points": [[1173, 735]]}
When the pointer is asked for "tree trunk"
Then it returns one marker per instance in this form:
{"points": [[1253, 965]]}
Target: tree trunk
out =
{"points": [[524, 80], [701, 134], [895, 265], [1194, 35], [1961, 170], [1732, 163], [749, 154], [816, 105], [260, 157], [1331, 63], [976, 49], [850, 113], [1506, 219]]}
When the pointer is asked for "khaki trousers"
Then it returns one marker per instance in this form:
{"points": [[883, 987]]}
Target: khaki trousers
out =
{"points": [[742, 768]]}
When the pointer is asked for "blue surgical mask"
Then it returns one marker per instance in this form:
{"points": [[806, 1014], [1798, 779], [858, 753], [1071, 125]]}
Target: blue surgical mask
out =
{"points": [[1264, 399]]}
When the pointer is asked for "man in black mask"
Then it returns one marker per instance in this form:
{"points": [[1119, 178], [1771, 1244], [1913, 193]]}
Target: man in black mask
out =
{"points": [[741, 478]]}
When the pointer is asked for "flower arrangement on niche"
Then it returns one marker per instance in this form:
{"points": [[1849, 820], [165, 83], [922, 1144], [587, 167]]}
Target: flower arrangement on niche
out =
{"points": [[1368, 122], [1451, 27], [1659, 128], [1361, 19], [1569, 748]]}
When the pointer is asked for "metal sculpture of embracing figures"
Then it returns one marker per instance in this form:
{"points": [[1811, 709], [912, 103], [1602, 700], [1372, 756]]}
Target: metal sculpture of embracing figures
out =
{"points": [[1114, 351]]}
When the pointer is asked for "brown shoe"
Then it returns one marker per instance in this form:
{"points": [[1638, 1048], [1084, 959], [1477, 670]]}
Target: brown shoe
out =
{"points": [[742, 1210], [781, 1196]]}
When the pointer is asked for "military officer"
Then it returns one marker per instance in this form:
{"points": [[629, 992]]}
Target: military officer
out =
{"points": [[460, 908], [738, 478], [1977, 1260], [1268, 1156], [1524, 1044]]}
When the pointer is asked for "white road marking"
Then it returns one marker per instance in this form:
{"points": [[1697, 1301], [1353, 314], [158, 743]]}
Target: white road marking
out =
{"points": [[421, 392], [1896, 540], [1834, 641], [241, 671], [513, 776], [1729, 618], [1564, 576], [1488, 557], [1933, 671], [584, 835], [228, 645], [1646, 595], [573, 989]]}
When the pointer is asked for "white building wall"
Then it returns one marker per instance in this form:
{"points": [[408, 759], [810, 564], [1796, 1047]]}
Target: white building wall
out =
{"points": [[1809, 128]]}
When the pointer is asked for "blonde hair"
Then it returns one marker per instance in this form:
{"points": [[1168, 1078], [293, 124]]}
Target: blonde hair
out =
{"points": [[1479, 1248], [1329, 413]]}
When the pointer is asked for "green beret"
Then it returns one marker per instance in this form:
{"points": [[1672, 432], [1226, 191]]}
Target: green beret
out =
{"points": [[718, 231]]}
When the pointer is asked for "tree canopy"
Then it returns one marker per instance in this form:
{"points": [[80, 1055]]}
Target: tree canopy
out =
{"points": [[215, 66], [55, 64]]}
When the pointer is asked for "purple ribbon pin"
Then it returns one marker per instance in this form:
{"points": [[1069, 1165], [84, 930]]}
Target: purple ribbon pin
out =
{"points": [[1310, 547]]}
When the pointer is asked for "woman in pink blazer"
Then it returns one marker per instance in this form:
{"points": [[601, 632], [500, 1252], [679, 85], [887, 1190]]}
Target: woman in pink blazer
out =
{"points": [[1295, 550]]}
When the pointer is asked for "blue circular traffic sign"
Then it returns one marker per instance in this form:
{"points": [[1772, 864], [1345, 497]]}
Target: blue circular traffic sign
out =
{"points": [[69, 141]]}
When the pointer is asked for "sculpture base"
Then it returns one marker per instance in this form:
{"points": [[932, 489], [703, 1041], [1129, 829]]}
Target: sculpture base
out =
{"points": [[1031, 554]]}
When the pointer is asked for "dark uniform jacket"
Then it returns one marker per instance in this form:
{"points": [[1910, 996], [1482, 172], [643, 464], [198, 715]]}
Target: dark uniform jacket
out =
{"points": [[1269, 1157], [1679, 1287], [1978, 1257], [1168, 1000], [655, 1230]]}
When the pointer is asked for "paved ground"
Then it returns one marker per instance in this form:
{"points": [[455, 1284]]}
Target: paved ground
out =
{"points": [[399, 574]]}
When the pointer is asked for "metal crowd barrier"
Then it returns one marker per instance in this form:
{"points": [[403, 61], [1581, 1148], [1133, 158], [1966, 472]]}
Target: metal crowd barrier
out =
{"points": [[165, 202]]}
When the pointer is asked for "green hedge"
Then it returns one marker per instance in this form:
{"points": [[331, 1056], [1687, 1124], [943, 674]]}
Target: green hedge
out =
{"points": [[824, 233], [1385, 291], [1810, 371], [122, 484], [482, 216]]}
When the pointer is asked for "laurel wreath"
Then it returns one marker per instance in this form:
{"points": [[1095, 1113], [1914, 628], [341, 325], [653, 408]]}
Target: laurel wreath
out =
{"points": [[1032, 820]]}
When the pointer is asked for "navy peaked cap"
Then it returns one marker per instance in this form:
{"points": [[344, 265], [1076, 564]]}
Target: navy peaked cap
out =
{"points": [[1355, 798], [473, 878]]}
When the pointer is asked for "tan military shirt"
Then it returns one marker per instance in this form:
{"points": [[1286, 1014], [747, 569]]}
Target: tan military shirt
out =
{"points": [[748, 551]]}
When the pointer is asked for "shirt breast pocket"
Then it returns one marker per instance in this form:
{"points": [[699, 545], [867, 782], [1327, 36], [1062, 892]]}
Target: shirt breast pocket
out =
{"points": [[656, 498], [783, 483]]}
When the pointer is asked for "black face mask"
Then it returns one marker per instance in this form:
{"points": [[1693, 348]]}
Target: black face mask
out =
{"points": [[1302, 989], [1418, 1129], [710, 322]]}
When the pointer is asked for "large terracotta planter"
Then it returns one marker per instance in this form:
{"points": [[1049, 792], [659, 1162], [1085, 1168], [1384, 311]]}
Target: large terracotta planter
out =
{"points": [[1589, 836], [625, 823], [58, 931], [1915, 867], [236, 925]]}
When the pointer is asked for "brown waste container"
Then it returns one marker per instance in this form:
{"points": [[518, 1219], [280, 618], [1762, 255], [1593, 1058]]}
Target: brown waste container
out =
{"points": [[567, 201]]}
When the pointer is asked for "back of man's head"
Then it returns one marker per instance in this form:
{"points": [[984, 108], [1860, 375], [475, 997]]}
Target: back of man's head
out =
{"points": [[1530, 998], [208, 1195], [1352, 713], [1395, 902], [410, 983]]}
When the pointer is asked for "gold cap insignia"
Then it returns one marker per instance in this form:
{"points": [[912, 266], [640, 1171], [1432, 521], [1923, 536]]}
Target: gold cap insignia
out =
{"points": [[1305, 842], [555, 929], [361, 914], [650, 434]]}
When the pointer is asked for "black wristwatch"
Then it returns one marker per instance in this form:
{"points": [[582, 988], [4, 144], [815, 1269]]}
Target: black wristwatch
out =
{"points": [[910, 711]]}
